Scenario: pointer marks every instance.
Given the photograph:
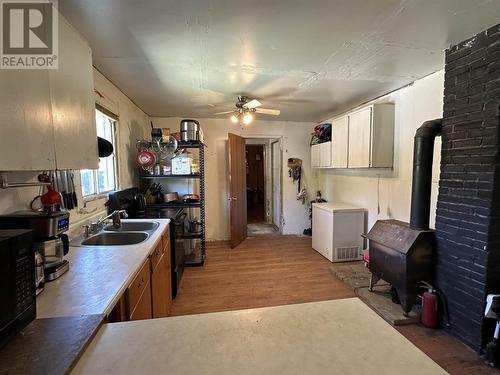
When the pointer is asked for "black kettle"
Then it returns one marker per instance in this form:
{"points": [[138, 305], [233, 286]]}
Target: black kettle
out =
{"points": [[140, 205]]}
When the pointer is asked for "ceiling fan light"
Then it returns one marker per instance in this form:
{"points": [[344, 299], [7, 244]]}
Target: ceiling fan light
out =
{"points": [[247, 119], [234, 119]]}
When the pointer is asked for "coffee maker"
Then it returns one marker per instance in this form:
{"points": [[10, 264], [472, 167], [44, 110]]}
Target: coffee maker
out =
{"points": [[50, 241]]}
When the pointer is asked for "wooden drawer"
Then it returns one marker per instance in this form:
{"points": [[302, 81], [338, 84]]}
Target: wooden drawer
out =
{"points": [[136, 288], [156, 255]]}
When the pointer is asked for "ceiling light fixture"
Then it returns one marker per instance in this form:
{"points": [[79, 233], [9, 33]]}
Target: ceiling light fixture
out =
{"points": [[247, 118], [234, 119]]}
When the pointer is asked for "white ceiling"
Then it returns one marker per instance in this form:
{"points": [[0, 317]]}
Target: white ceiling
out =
{"points": [[309, 58]]}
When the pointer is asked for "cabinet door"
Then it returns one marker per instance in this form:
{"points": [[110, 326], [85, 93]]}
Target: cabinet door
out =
{"points": [[143, 308], [73, 105], [325, 154], [340, 140], [315, 151], [360, 138], [27, 138], [160, 286]]}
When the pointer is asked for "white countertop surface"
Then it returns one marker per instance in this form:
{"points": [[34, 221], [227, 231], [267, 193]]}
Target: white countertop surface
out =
{"points": [[330, 337], [96, 279], [338, 206]]}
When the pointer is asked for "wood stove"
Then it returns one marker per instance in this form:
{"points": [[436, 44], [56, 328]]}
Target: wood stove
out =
{"points": [[401, 253]]}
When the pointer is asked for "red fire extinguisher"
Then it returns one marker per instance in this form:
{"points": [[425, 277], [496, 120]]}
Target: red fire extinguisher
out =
{"points": [[429, 306]]}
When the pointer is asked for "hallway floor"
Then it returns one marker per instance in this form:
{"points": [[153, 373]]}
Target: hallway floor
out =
{"points": [[257, 229], [279, 270]]}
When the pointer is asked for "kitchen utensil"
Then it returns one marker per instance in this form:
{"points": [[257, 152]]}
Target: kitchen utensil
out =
{"points": [[51, 200], [165, 149], [75, 197], [104, 147], [145, 159], [170, 197], [190, 130], [139, 206], [191, 198], [194, 226]]}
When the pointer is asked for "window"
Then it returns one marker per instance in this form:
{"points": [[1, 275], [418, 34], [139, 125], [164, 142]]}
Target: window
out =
{"points": [[104, 179]]}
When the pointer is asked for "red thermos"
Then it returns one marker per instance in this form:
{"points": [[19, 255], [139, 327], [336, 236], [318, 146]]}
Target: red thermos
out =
{"points": [[429, 307]]}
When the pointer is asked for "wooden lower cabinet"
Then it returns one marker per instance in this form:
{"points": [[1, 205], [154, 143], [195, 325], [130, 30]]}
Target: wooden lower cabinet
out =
{"points": [[149, 295], [160, 283], [143, 309]]}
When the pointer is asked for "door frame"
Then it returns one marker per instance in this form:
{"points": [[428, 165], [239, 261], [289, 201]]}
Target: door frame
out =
{"points": [[272, 139]]}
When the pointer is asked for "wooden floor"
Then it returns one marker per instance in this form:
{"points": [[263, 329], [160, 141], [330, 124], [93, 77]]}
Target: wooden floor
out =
{"points": [[279, 270]]}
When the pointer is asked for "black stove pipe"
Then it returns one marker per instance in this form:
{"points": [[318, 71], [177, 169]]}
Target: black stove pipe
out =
{"points": [[423, 153]]}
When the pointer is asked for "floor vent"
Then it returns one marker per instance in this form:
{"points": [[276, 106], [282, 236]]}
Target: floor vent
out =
{"points": [[347, 253]]}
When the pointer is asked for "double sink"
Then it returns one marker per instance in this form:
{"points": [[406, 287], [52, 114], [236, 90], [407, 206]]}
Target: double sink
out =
{"points": [[129, 233]]}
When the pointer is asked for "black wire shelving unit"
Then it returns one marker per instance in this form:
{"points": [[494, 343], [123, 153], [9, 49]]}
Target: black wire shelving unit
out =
{"points": [[196, 261]]}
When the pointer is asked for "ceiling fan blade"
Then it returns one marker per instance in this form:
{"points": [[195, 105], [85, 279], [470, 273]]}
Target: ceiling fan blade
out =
{"points": [[223, 113], [253, 104], [267, 111]]}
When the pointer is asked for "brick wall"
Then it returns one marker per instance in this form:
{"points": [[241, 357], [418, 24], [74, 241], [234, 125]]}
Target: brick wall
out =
{"points": [[468, 209]]}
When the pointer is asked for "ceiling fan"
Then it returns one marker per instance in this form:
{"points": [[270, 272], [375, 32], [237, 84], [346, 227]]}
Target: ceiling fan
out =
{"points": [[245, 108]]}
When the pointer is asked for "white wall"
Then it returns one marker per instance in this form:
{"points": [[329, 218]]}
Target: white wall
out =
{"points": [[414, 104], [295, 140], [133, 125]]}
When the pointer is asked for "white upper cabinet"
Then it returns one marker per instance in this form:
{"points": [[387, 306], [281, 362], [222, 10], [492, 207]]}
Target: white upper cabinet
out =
{"points": [[321, 155], [73, 105], [315, 162], [325, 154], [359, 138], [340, 134], [47, 117], [27, 137], [371, 137]]}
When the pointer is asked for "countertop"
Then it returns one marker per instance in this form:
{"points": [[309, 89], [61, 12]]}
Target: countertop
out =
{"points": [[49, 346], [329, 337], [96, 279]]}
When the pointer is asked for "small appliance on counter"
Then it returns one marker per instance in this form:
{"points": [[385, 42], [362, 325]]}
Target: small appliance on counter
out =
{"points": [[49, 238], [17, 285]]}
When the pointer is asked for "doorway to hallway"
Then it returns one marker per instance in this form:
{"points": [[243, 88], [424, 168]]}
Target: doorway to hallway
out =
{"points": [[263, 185]]}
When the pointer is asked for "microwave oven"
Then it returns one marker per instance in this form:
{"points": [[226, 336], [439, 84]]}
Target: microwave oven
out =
{"points": [[17, 282]]}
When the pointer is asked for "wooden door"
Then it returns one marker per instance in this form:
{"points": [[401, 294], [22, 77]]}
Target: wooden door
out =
{"points": [[340, 139], [237, 189], [360, 138]]}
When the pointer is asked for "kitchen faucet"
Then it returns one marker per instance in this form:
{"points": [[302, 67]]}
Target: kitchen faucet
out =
{"points": [[99, 224]]}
